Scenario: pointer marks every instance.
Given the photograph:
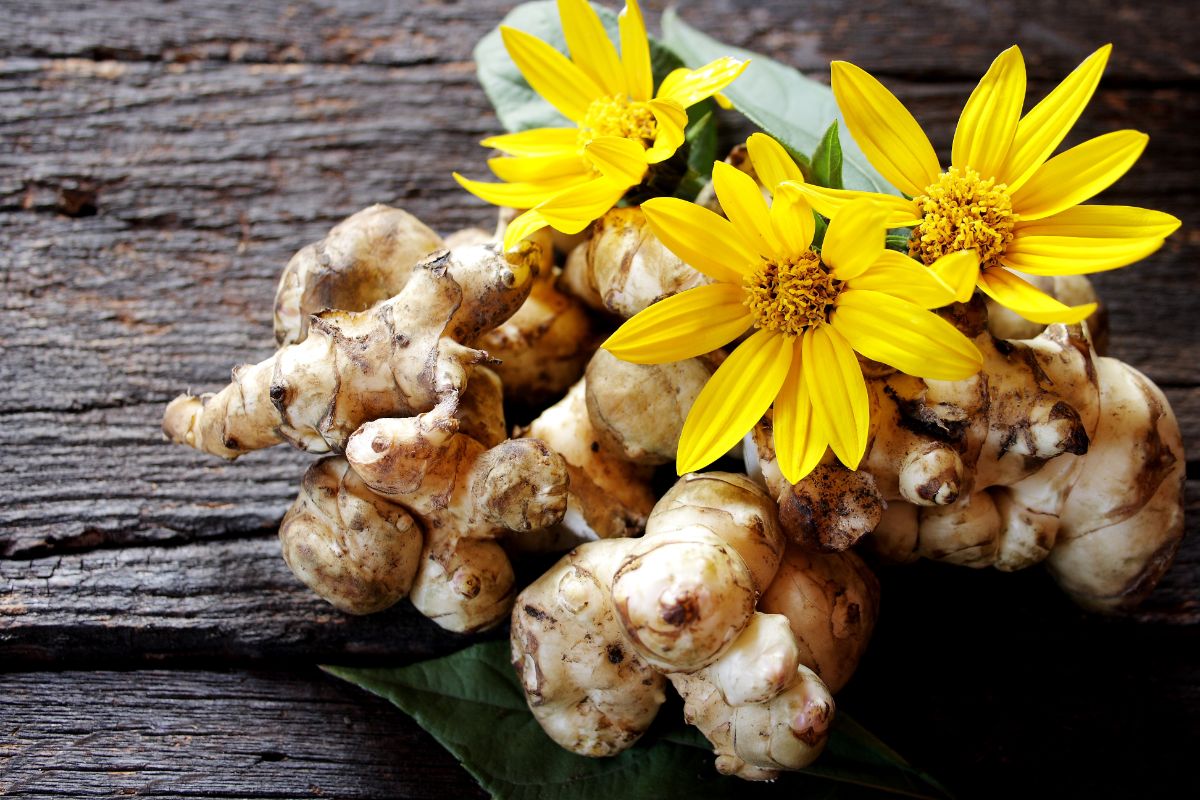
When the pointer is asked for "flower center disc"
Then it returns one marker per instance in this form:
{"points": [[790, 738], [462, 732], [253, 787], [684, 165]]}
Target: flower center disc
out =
{"points": [[963, 212], [791, 295], [618, 116]]}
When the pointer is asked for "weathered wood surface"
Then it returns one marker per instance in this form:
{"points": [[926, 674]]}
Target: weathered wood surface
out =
{"points": [[213, 734], [158, 165]]}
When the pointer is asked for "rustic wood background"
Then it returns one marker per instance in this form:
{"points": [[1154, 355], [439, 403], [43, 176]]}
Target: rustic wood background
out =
{"points": [[159, 162]]}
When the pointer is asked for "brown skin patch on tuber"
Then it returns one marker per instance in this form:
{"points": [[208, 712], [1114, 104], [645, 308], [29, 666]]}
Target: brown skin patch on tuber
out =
{"points": [[831, 509]]}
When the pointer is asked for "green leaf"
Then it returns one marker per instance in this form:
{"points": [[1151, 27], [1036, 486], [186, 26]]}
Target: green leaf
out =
{"points": [[827, 160], [898, 240], [472, 704], [792, 108]]}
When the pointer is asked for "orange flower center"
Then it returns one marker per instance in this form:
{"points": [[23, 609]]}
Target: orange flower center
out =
{"points": [[618, 116], [790, 296], [961, 211]]}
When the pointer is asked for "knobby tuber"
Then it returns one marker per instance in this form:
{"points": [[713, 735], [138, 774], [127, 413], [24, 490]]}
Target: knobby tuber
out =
{"points": [[430, 480], [397, 359], [543, 348], [464, 496], [1048, 448], [366, 258], [623, 268], [593, 638], [609, 495]]}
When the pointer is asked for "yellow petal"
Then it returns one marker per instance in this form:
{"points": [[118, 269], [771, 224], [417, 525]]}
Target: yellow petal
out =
{"points": [[516, 195], [743, 202], [901, 276], [618, 159], [1041, 130], [689, 86], [1027, 300], [590, 47], [672, 120], [793, 223], [537, 169], [838, 391], [1074, 255], [889, 136], [902, 213], [1072, 177], [635, 52], [854, 239], [536, 142], [799, 442], [1118, 222], [551, 74], [705, 240], [734, 399], [683, 326], [772, 163], [989, 119], [573, 209], [905, 336], [522, 227], [959, 271]]}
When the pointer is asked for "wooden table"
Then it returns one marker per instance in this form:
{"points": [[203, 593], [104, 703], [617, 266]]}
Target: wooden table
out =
{"points": [[158, 165]]}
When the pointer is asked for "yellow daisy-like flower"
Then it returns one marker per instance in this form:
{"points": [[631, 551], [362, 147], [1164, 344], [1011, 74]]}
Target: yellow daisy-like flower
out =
{"points": [[568, 177], [810, 313], [1001, 197]]}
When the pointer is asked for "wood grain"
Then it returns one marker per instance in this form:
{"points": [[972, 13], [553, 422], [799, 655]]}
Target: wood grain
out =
{"points": [[258, 734], [158, 165]]}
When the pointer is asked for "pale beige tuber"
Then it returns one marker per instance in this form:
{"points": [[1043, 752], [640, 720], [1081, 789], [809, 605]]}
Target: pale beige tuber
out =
{"points": [[366, 258], [610, 496], [593, 637], [397, 359], [464, 496], [623, 268]]}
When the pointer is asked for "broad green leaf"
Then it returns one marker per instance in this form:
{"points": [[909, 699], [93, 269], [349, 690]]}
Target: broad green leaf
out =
{"points": [[827, 160], [794, 109], [472, 704]]}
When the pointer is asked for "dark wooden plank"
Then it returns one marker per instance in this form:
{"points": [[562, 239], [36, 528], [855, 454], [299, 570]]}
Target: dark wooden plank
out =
{"points": [[235, 599], [933, 38], [229, 599], [213, 735]]}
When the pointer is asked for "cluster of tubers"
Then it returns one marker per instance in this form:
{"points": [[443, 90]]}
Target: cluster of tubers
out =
{"points": [[398, 353]]}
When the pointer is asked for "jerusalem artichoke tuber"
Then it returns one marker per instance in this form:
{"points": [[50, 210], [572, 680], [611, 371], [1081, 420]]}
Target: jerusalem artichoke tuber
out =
{"points": [[680, 601], [464, 496], [399, 358], [365, 258]]}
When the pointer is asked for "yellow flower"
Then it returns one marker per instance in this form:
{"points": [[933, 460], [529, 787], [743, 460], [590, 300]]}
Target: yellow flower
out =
{"points": [[568, 177], [810, 312], [1001, 197]]}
